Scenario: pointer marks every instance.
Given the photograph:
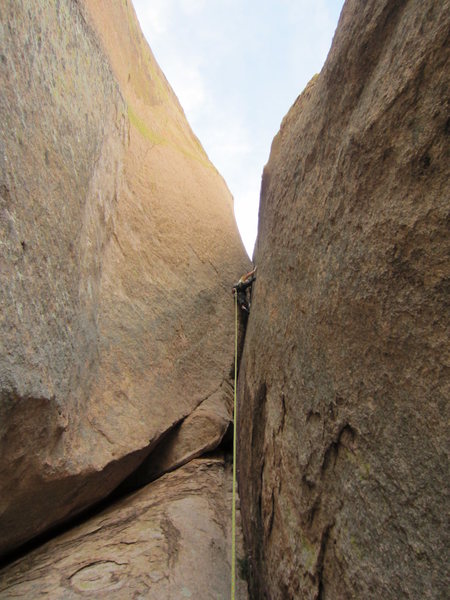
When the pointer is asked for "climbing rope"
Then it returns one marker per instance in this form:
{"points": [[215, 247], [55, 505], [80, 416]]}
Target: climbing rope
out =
{"points": [[233, 511]]}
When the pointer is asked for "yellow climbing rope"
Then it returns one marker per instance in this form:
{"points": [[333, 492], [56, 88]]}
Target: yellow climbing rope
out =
{"points": [[233, 511]]}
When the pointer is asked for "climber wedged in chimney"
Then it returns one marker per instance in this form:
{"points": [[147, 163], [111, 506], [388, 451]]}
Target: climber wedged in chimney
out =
{"points": [[241, 288]]}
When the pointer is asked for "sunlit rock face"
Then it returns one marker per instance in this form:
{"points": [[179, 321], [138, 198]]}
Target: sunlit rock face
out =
{"points": [[343, 413], [118, 249]]}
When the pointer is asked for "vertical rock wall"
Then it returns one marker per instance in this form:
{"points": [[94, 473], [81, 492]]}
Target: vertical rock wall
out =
{"points": [[63, 136], [118, 246], [343, 384]]}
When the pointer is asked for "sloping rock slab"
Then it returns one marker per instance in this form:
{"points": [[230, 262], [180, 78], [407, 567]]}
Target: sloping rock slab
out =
{"points": [[201, 432], [344, 382], [171, 539]]}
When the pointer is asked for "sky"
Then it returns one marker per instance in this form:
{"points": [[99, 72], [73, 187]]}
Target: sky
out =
{"points": [[237, 66]]}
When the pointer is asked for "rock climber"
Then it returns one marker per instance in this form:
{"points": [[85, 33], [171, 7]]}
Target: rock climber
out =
{"points": [[241, 287]]}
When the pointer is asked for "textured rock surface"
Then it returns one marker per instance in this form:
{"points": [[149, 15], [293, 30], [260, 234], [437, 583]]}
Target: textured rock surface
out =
{"points": [[199, 433], [169, 540], [118, 246], [343, 397]]}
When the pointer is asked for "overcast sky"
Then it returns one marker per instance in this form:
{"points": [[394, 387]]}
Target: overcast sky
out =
{"points": [[237, 66]]}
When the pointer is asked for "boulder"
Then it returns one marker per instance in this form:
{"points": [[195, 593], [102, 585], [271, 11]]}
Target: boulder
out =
{"points": [[343, 388], [118, 250], [169, 540], [200, 433]]}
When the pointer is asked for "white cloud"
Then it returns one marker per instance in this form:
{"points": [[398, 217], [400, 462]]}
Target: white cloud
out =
{"points": [[154, 17], [192, 6], [246, 213], [190, 88], [230, 140]]}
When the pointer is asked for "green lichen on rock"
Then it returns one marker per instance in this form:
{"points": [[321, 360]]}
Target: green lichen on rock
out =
{"points": [[143, 128]]}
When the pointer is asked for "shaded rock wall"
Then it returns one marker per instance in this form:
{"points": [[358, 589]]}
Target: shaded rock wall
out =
{"points": [[118, 246], [343, 396]]}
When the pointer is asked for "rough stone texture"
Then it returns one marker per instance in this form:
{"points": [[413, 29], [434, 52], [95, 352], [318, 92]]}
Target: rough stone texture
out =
{"points": [[169, 540], [343, 384], [201, 432], [117, 250]]}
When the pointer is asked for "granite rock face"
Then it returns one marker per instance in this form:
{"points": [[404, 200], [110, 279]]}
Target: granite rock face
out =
{"points": [[169, 540], [118, 249], [344, 378], [201, 432]]}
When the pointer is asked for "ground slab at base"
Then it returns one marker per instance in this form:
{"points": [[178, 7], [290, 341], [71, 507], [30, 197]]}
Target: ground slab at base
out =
{"points": [[170, 539]]}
